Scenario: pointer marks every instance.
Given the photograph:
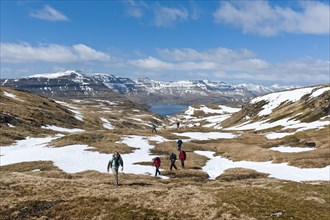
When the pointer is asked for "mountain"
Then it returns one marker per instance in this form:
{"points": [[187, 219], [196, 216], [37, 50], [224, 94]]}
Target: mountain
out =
{"points": [[68, 84], [75, 84], [24, 114], [306, 104], [298, 117]]}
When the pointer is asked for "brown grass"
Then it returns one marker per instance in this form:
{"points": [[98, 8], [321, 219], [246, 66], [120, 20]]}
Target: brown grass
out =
{"points": [[188, 195], [39, 190]]}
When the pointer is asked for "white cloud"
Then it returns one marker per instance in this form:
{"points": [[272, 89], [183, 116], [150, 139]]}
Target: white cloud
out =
{"points": [[165, 16], [134, 12], [50, 14], [223, 64], [135, 9], [219, 55], [160, 15], [20, 53], [86, 53], [152, 63], [242, 65], [259, 17]]}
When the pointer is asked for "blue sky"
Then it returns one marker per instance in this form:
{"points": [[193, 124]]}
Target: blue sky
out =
{"points": [[262, 42]]}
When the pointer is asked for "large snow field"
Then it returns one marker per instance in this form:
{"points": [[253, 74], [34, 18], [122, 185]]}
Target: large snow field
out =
{"points": [[215, 166], [75, 158], [275, 99]]}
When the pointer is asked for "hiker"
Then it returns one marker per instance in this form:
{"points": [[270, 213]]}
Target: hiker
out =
{"points": [[154, 128], [173, 159], [114, 164], [178, 124], [182, 157], [156, 163], [179, 142]]}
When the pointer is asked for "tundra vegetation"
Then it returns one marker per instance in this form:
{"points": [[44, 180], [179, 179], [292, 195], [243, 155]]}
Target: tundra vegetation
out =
{"points": [[41, 190]]}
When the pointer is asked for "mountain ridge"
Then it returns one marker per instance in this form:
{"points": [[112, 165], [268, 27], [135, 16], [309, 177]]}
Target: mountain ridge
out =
{"points": [[75, 84]]}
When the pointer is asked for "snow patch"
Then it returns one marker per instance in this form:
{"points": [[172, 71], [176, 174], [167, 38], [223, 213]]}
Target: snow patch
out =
{"points": [[60, 129], [319, 92], [107, 124], [275, 99], [286, 149], [216, 166], [13, 96], [202, 136]]}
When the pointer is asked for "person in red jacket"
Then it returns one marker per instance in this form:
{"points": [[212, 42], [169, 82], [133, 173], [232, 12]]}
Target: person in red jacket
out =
{"points": [[182, 157], [156, 163]]}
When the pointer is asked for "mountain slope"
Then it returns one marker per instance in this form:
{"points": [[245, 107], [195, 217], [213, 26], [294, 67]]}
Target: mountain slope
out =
{"points": [[24, 114], [69, 84], [74, 84], [304, 104]]}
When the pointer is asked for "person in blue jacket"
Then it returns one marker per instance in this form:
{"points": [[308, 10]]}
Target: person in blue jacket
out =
{"points": [[179, 143], [114, 164], [154, 126]]}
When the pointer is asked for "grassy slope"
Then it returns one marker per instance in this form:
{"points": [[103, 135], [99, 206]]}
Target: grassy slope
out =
{"points": [[90, 195], [236, 194]]}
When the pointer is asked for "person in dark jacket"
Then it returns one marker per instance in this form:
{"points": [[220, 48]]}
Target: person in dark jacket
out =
{"points": [[179, 143], [172, 160], [114, 164], [154, 128], [182, 157], [156, 163]]}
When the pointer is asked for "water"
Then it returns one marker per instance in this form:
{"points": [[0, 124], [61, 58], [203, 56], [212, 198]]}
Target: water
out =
{"points": [[165, 110]]}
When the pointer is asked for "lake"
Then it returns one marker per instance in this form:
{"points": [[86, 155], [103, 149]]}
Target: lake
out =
{"points": [[165, 110]]}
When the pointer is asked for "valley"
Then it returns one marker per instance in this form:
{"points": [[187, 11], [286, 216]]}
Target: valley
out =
{"points": [[272, 152]]}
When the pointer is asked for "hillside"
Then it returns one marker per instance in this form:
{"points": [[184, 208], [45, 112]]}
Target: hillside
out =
{"points": [[23, 114], [75, 84], [272, 153]]}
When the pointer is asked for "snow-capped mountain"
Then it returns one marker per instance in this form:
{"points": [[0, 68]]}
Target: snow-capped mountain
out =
{"points": [[75, 84], [284, 112]]}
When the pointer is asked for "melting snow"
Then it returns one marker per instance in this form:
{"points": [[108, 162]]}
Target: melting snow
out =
{"points": [[275, 99], [286, 149], [319, 92], [277, 135], [286, 123], [73, 109], [11, 95], [10, 125], [207, 136], [217, 165], [56, 128], [107, 124], [75, 158]]}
